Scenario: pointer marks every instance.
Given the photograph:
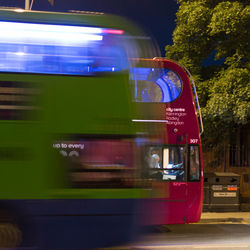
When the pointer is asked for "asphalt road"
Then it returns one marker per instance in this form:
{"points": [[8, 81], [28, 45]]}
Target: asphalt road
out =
{"points": [[215, 231], [198, 236], [228, 235]]}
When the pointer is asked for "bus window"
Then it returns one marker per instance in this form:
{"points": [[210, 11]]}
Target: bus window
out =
{"points": [[155, 157], [173, 162], [155, 85], [153, 162], [61, 49], [194, 161]]}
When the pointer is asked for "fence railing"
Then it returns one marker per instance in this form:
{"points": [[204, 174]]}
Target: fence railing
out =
{"points": [[239, 156], [228, 155]]}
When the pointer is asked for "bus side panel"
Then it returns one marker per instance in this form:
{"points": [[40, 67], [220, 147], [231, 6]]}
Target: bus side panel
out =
{"points": [[75, 224], [194, 201]]}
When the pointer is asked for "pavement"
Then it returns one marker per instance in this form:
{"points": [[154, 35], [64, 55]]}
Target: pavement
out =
{"points": [[223, 217]]}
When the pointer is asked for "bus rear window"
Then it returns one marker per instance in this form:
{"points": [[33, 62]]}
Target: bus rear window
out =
{"points": [[155, 85], [61, 49]]}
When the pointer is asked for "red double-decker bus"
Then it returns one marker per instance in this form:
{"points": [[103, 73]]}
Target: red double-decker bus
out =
{"points": [[173, 154]]}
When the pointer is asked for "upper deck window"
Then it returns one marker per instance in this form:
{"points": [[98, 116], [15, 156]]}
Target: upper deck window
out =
{"points": [[155, 84], [61, 49]]}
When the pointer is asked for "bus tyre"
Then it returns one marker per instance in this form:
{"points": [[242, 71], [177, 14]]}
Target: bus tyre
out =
{"points": [[10, 234]]}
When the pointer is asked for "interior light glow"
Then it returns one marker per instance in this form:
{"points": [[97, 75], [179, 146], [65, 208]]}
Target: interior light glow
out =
{"points": [[19, 10], [50, 27], [20, 53], [47, 34]]}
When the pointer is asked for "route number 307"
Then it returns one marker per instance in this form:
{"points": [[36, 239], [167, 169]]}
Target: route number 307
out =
{"points": [[193, 141]]}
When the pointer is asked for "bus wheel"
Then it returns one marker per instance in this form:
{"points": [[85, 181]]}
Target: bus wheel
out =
{"points": [[10, 234]]}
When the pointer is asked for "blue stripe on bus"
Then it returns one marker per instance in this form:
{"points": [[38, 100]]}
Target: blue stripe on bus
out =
{"points": [[75, 224]]}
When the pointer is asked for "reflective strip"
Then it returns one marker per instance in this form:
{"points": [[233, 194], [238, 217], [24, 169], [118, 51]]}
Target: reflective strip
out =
{"points": [[14, 98], [137, 120], [4, 90], [13, 107]]}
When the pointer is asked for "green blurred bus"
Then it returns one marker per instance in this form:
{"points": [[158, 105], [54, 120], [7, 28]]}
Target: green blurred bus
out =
{"points": [[68, 151]]}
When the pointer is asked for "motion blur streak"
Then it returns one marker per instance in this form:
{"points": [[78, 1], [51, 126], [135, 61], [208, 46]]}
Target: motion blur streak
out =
{"points": [[70, 154]]}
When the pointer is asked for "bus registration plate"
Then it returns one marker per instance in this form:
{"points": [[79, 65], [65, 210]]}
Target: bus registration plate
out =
{"points": [[224, 194]]}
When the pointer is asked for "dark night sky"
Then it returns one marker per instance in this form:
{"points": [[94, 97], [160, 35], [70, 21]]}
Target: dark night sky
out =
{"points": [[156, 17]]}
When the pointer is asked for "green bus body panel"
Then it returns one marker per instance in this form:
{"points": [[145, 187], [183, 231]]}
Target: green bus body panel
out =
{"points": [[21, 166], [67, 106], [81, 105], [131, 193]]}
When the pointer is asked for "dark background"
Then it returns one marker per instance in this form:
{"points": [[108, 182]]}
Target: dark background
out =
{"points": [[156, 17]]}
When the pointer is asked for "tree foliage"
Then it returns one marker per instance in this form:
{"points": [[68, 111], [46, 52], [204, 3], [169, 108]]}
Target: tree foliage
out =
{"points": [[212, 39]]}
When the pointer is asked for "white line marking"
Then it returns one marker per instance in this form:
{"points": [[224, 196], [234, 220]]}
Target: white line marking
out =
{"points": [[137, 120]]}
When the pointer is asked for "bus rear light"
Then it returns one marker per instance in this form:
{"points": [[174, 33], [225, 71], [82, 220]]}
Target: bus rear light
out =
{"points": [[112, 31]]}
